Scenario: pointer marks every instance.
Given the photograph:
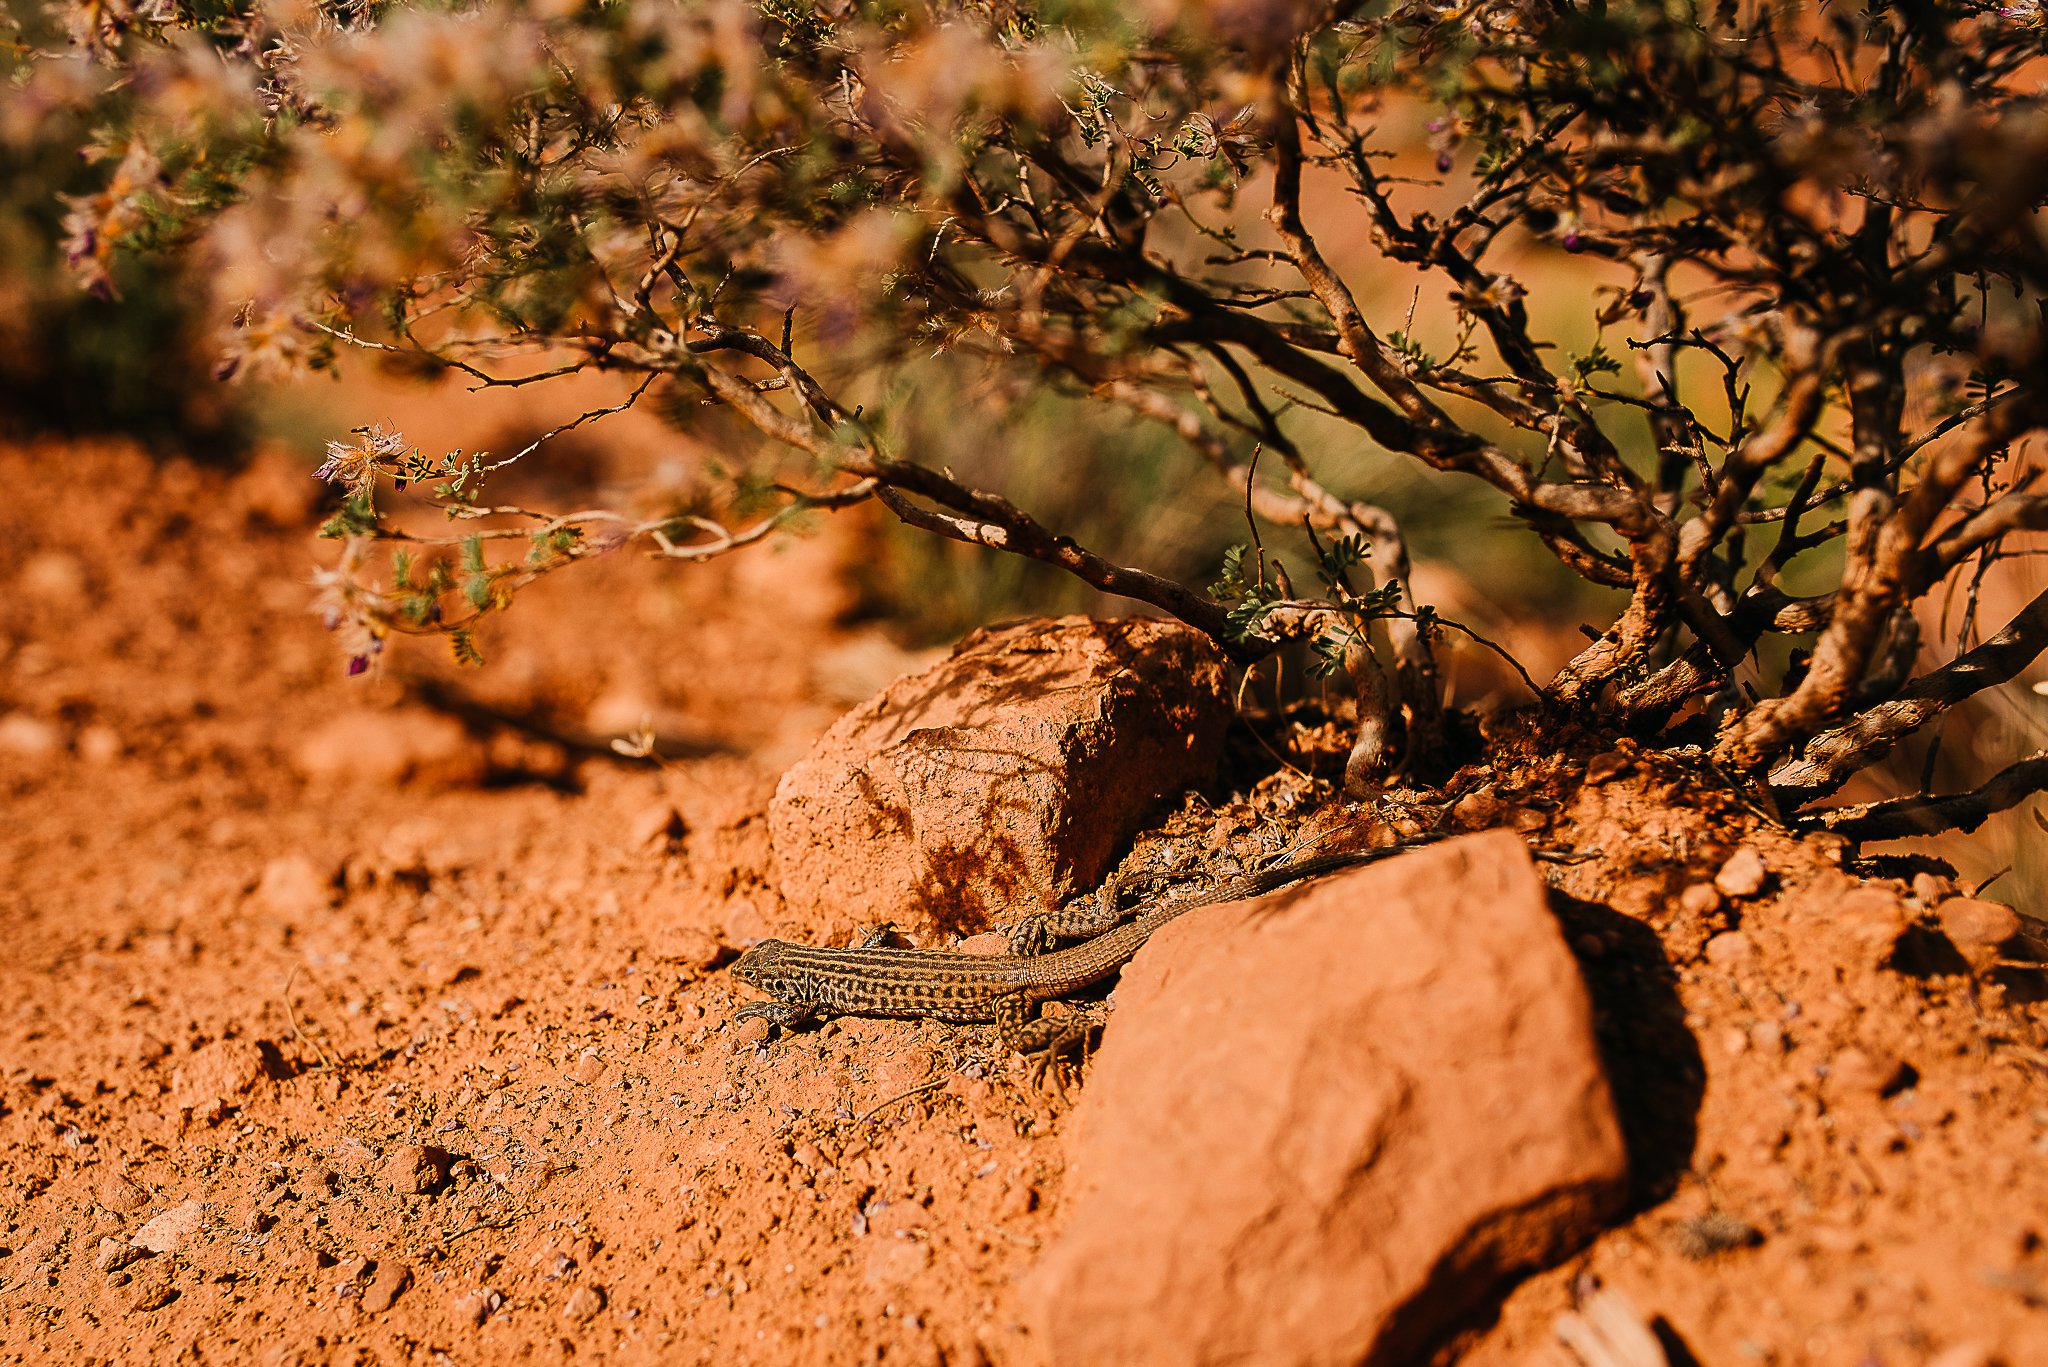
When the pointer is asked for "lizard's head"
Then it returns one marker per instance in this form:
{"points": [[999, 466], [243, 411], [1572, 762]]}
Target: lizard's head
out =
{"points": [[765, 966]]}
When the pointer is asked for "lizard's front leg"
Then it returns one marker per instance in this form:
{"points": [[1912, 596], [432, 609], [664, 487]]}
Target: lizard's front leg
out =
{"points": [[1080, 919], [784, 1014]]}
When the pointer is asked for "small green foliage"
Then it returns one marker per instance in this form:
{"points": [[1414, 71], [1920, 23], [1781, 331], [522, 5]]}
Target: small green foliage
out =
{"points": [[1093, 118], [463, 478], [1337, 559], [549, 546], [1411, 351], [356, 517], [1327, 651], [1253, 593], [462, 641], [1594, 362]]}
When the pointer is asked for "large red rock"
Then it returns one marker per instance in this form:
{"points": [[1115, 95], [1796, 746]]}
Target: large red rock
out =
{"points": [[1325, 1124], [1002, 780]]}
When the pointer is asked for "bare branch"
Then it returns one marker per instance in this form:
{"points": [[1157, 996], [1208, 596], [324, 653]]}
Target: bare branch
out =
{"points": [[1902, 817], [1832, 756]]}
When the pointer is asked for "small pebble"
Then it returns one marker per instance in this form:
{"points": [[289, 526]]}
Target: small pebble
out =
{"points": [[691, 946], [1730, 949], [1700, 899], [173, 1229], [1743, 875], [583, 1302], [386, 1286], [1855, 1071], [122, 1196], [416, 1169], [25, 735], [478, 1305], [116, 1254], [99, 745], [988, 942], [660, 824], [589, 1068], [1977, 929], [1931, 888], [1601, 768]]}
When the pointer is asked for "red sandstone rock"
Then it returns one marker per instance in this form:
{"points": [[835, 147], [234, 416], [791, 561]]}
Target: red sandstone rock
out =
{"points": [[1003, 779], [1324, 1125]]}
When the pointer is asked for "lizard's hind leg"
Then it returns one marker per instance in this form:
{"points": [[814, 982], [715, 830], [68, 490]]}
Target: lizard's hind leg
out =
{"points": [[1043, 1040]]}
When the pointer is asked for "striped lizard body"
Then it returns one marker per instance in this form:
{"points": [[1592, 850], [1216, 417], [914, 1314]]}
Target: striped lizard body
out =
{"points": [[803, 981]]}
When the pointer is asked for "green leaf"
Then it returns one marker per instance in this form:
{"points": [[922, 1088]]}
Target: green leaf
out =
{"points": [[1594, 362], [356, 517]]}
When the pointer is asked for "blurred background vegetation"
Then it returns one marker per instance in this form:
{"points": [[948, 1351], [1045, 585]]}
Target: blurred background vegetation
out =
{"points": [[140, 361]]}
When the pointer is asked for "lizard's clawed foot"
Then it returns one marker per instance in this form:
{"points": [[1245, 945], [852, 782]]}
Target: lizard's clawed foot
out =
{"points": [[1045, 1041], [774, 1012]]}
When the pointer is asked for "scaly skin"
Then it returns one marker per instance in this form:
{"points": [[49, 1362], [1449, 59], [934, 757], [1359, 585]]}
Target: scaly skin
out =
{"points": [[937, 984]]}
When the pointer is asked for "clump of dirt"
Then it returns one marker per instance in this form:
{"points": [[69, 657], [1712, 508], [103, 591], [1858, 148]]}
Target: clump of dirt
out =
{"points": [[393, 1059]]}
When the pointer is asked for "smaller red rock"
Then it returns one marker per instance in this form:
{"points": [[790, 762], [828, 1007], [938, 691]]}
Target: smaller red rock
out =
{"points": [[478, 1305], [386, 1286], [1979, 930], [1931, 888], [1603, 767], [1855, 1071], [292, 886], [1700, 899], [584, 1302], [1743, 875], [1873, 920], [122, 1196], [1730, 950], [691, 946], [416, 1169], [173, 1229], [116, 1254]]}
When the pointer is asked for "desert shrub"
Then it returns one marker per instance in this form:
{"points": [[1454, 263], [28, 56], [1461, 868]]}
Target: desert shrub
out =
{"points": [[1734, 309], [133, 352]]}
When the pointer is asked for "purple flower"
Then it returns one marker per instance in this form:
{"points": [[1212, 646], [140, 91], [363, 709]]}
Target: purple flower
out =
{"points": [[1571, 241], [357, 664], [1443, 161]]}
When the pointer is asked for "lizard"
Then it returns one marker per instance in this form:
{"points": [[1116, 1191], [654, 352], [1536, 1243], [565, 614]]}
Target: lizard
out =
{"points": [[805, 981]]}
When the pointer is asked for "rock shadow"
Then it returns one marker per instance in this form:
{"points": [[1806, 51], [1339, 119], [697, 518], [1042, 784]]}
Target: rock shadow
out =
{"points": [[1653, 1062]]}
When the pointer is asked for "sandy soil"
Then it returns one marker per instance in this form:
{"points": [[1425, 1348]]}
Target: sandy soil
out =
{"points": [[432, 1028]]}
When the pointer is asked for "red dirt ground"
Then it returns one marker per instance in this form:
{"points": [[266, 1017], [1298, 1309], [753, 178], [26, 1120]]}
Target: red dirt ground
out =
{"points": [[260, 950]]}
